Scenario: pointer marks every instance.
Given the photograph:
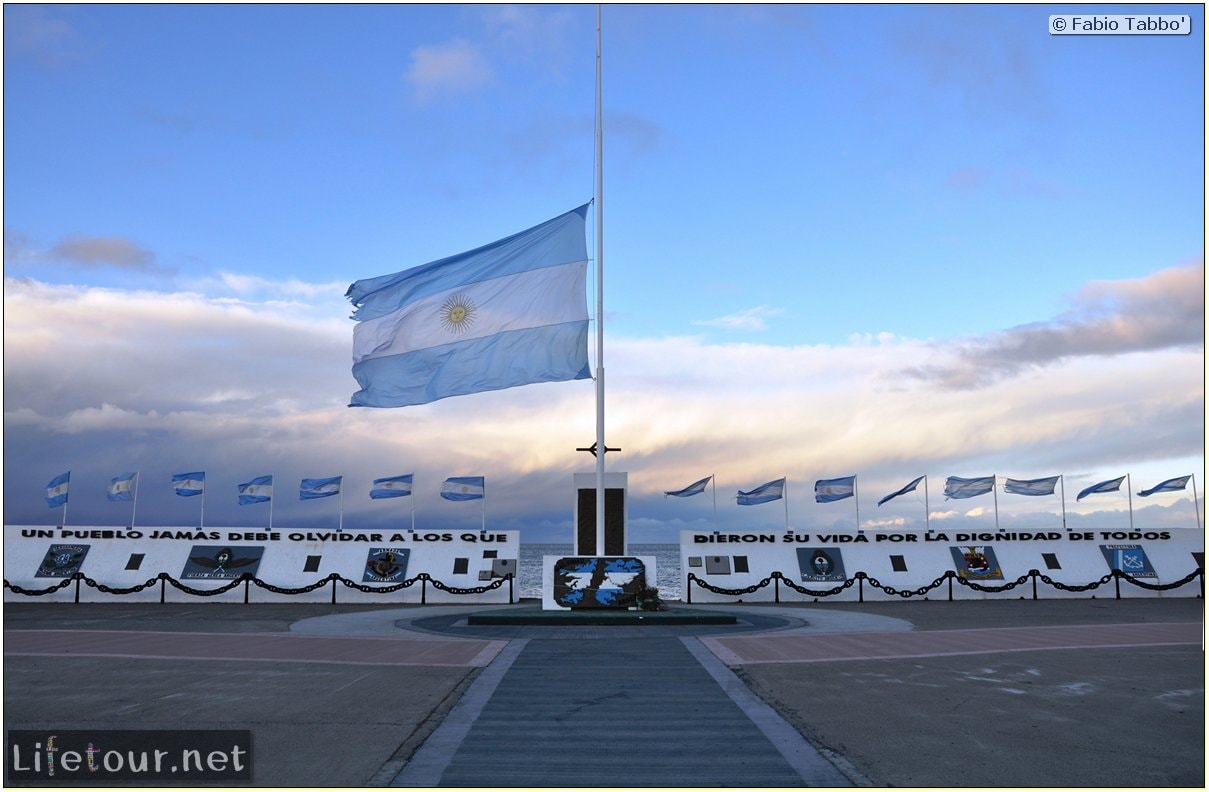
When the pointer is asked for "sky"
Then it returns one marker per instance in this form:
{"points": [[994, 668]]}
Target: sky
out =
{"points": [[882, 241]]}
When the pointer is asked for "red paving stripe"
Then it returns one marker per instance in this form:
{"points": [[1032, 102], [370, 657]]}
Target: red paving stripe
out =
{"points": [[800, 648], [277, 647]]}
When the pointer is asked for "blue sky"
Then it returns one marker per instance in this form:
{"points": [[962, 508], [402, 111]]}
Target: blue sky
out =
{"points": [[882, 240]]}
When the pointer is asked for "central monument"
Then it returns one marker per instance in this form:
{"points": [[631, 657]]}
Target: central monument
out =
{"points": [[596, 577], [615, 515]]}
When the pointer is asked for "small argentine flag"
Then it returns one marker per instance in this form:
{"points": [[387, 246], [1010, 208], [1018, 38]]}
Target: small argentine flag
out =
{"points": [[830, 490], [463, 488], [258, 490], [391, 487], [957, 487], [1170, 485], [319, 487], [902, 491], [189, 484], [1112, 485], [121, 488], [1041, 486], [696, 488], [773, 490], [56, 490]]}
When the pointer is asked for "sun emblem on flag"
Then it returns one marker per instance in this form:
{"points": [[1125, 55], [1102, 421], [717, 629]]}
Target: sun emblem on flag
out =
{"points": [[457, 314]]}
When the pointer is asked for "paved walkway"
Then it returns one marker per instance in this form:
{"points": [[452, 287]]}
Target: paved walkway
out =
{"points": [[643, 712]]}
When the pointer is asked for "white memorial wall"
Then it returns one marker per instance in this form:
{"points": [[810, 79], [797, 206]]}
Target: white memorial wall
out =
{"points": [[907, 561], [38, 557]]}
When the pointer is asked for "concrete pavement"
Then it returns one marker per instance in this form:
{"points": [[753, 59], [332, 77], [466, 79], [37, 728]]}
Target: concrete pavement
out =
{"points": [[361, 695]]}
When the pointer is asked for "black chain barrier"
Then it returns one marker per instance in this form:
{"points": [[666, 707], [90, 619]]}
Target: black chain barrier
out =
{"points": [[859, 579], [776, 579], [247, 579]]}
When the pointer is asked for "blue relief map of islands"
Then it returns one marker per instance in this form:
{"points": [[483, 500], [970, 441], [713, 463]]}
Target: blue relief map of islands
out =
{"points": [[598, 582]]}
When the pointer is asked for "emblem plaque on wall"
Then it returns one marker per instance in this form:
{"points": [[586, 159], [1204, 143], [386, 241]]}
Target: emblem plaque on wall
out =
{"points": [[386, 565], [976, 562], [62, 560], [221, 562], [821, 565], [1128, 558]]}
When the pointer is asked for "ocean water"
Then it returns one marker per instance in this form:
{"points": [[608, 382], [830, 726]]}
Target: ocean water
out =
{"points": [[667, 567]]}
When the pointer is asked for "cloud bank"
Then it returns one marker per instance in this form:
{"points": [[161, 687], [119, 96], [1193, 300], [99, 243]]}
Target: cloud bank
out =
{"points": [[254, 380], [1163, 311]]}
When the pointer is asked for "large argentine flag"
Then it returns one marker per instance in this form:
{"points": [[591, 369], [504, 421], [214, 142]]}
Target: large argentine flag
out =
{"points": [[513, 312]]}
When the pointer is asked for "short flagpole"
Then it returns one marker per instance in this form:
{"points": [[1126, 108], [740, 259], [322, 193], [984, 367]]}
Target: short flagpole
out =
{"points": [[270, 505], [484, 528], [785, 497], [1062, 481], [927, 510], [713, 485], [134, 503], [66, 499], [340, 523], [201, 518], [994, 480], [1129, 492], [856, 497], [1195, 505]]}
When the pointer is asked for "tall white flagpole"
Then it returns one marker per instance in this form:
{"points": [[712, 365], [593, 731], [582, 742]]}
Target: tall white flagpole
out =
{"points": [[785, 497], [484, 504], [270, 505], [201, 518], [600, 372], [340, 523], [713, 485]]}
